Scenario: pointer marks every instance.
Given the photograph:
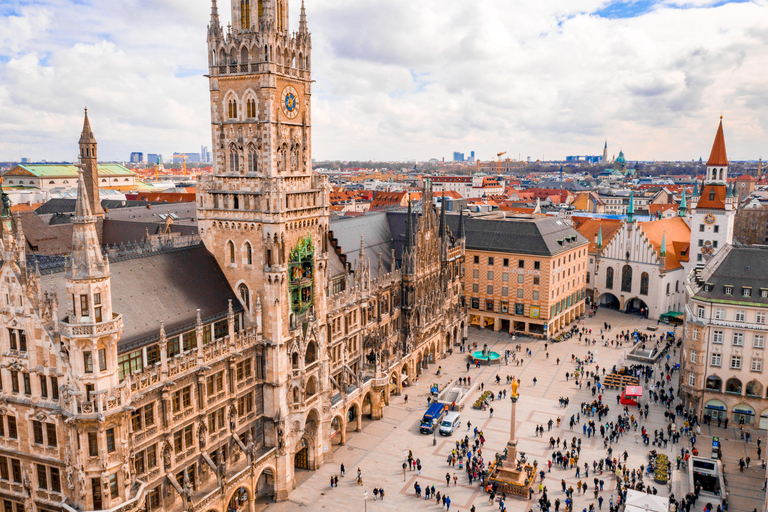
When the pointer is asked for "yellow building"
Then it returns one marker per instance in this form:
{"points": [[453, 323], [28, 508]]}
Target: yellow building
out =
{"points": [[525, 274]]}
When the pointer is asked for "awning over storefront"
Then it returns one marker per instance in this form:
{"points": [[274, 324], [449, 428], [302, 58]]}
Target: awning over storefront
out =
{"points": [[715, 405]]}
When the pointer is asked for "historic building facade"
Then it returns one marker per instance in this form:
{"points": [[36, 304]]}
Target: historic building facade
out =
{"points": [[724, 347], [525, 274], [199, 373]]}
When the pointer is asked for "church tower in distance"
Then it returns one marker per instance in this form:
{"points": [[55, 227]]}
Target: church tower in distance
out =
{"points": [[263, 213]]}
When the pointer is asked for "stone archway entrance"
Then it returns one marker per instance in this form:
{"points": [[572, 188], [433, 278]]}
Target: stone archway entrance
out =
{"points": [[265, 486], [301, 458], [609, 300], [637, 306], [240, 501]]}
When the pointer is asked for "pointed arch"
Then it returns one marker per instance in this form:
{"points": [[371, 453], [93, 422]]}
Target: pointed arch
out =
{"points": [[626, 278], [644, 279], [245, 296], [310, 355], [248, 256], [231, 252], [609, 278], [244, 55], [252, 159], [234, 159]]}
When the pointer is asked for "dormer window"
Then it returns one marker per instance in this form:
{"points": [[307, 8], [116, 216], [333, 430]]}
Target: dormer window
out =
{"points": [[747, 291], [728, 290], [764, 293], [708, 287], [712, 195]]}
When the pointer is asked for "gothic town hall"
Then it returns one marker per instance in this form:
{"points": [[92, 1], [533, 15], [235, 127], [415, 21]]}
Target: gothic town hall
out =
{"points": [[200, 371]]}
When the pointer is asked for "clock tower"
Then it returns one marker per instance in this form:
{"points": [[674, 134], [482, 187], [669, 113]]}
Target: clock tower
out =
{"points": [[713, 207], [264, 213]]}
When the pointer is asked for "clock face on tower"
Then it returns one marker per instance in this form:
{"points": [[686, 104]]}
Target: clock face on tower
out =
{"points": [[709, 218], [290, 102]]}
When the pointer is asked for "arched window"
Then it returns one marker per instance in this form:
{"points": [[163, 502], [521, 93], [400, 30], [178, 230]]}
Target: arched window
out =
{"points": [[232, 109], [235, 202], [644, 283], [245, 296], [714, 383], [295, 360], [296, 395], [311, 355], [252, 159], [250, 108], [733, 385], [609, 278], [245, 14], [231, 252], [677, 286], [754, 388], [234, 160], [311, 388], [626, 279], [667, 288], [244, 56], [248, 254]]}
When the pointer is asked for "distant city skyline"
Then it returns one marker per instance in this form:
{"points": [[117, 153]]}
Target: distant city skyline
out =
{"points": [[396, 81]]}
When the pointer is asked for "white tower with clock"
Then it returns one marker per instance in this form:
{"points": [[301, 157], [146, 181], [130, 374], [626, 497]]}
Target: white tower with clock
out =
{"points": [[713, 208]]}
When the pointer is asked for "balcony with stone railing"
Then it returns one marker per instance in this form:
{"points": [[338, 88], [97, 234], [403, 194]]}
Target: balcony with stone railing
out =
{"points": [[134, 502], [89, 330]]}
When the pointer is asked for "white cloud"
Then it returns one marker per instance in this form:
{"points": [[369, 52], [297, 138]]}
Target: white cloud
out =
{"points": [[403, 79]]}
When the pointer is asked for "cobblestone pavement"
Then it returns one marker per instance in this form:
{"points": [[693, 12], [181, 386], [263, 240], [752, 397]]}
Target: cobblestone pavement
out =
{"points": [[379, 449]]}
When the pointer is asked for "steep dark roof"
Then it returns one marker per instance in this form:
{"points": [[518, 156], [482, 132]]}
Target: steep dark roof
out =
{"points": [[165, 287], [123, 231], [743, 266], [376, 237], [64, 205], [538, 236]]}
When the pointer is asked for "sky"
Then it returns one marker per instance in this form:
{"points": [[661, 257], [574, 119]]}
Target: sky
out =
{"points": [[403, 79]]}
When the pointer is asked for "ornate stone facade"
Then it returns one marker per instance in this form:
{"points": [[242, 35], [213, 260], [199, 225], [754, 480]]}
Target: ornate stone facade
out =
{"points": [[182, 376]]}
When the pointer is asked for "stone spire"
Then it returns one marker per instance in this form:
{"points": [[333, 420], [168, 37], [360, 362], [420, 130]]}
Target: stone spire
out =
{"points": [[442, 219], [408, 229], [88, 162], [214, 28], [303, 20], [537, 209], [86, 261]]}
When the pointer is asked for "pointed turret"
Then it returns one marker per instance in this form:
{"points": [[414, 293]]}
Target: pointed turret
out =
{"points": [[663, 252], [718, 155], [442, 219], [683, 207], [408, 228], [695, 188], [600, 237], [631, 209], [303, 20], [86, 261], [88, 162]]}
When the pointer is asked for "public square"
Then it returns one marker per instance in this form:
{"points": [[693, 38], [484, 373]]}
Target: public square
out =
{"points": [[380, 449]]}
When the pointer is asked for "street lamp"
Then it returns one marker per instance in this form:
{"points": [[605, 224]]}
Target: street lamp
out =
{"points": [[365, 500]]}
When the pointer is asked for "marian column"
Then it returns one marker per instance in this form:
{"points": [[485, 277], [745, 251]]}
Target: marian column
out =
{"points": [[512, 443]]}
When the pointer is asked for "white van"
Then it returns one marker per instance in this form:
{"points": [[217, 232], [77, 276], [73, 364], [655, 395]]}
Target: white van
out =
{"points": [[450, 422]]}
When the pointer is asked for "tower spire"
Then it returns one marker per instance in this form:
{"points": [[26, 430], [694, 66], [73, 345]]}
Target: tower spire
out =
{"points": [[88, 163], [631, 209], [718, 155], [86, 261], [600, 237], [303, 20], [442, 218], [408, 228], [663, 251]]}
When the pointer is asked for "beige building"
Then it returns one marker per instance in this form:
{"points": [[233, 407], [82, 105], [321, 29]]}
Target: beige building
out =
{"points": [[525, 274]]}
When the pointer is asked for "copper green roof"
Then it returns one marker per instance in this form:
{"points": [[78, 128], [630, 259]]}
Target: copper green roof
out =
{"points": [[65, 171]]}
